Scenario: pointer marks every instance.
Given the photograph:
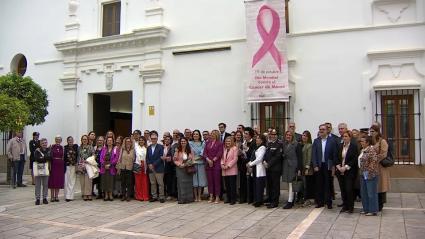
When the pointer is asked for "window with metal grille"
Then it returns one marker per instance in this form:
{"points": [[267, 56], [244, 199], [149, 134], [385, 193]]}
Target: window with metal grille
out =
{"points": [[270, 115], [111, 19], [399, 113]]}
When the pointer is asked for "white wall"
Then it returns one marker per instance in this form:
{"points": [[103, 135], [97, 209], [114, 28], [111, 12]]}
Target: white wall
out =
{"points": [[329, 42]]}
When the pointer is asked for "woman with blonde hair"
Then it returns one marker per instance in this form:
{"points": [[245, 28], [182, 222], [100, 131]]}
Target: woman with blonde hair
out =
{"points": [[212, 154], [125, 166], [229, 168], [84, 152]]}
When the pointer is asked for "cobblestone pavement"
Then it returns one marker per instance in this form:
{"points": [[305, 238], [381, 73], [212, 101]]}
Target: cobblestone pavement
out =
{"points": [[403, 217]]}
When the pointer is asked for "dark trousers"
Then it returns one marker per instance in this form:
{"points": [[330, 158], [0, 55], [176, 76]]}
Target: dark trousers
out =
{"points": [[346, 184], [382, 198], [323, 191], [126, 184], [273, 187], [17, 171], [332, 187], [170, 182], [260, 183], [242, 187], [250, 189], [230, 182]]}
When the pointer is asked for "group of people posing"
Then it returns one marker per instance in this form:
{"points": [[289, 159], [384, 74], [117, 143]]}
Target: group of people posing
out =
{"points": [[237, 166]]}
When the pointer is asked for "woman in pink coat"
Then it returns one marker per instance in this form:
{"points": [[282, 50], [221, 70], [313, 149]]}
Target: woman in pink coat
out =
{"points": [[229, 168]]}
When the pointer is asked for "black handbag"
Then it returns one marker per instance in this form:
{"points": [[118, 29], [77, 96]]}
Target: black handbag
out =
{"points": [[389, 160], [298, 185]]}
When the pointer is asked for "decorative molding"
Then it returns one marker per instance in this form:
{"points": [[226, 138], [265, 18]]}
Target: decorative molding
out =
{"points": [[396, 54], [392, 16], [152, 73], [353, 29], [47, 62], [154, 11], [137, 37], [397, 85], [69, 81]]}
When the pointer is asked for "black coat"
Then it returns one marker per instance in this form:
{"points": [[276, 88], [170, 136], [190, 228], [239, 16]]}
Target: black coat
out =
{"points": [[351, 159]]}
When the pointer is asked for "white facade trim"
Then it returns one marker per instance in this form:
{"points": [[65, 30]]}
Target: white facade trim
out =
{"points": [[44, 62]]}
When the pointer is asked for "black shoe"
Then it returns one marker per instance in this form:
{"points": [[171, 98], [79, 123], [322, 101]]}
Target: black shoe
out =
{"points": [[21, 185], [68, 200], [232, 203], [343, 210], [45, 201], [57, 200], [340, 205], [319, 206], [257, 204], [242, 202], [272, 205], [227, 201], [111, 199], [288, 205], [153, 200], [329, 206], [349, 211], [105, 199], [37, 202], [14, 187], [161, 200]]}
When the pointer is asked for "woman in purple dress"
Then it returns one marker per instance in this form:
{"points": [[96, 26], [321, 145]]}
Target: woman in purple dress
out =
{"points": [[212, 153], [57, 169]]}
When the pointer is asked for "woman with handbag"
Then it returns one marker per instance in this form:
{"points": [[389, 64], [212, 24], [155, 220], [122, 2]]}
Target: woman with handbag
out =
{"points": [[57, 169], [369, 174], [381, 147], [42, 159], [141, 186], [291, 166], [100, 142], [85, 151], [346, 171], [108, 160], [125, 165], [70, 158], [199, 177], [229, 168], [183, 158]]}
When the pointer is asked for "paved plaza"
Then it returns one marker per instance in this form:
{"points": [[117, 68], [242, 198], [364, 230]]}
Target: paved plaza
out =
{"points": [[403, 217]]}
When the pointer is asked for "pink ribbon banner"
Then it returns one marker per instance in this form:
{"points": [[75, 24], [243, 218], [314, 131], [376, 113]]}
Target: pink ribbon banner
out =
{"points": [[266, 38]]}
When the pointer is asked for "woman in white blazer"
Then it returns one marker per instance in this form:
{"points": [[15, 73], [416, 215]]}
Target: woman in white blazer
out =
{"points": [[260, 179]]}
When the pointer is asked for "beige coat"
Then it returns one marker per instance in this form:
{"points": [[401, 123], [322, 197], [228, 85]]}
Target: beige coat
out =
{"points": [[384, 173], [15, 147]]}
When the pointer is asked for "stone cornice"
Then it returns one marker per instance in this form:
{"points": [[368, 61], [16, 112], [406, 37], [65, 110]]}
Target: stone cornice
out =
{"points": [[138, 37], [396, 53]]}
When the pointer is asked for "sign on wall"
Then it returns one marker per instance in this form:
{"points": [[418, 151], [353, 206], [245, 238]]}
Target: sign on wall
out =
{"points": [[266, 38]]}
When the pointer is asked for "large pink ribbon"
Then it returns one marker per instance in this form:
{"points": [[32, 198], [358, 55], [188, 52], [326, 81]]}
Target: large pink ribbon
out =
{"points": [[268, 37]]}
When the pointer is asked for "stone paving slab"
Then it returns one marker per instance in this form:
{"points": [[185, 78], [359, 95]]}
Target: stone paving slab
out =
{"points": [[403, 217]]}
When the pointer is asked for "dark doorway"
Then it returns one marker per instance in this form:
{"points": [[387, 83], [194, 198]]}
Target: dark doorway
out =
{"points": [[112, 111]]}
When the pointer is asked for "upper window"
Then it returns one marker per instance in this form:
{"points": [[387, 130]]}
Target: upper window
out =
{"points": [[111, 19]]}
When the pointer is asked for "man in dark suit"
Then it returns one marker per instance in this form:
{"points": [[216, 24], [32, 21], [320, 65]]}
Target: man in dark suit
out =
{"points": [[337, 141], [156, 167], [324, 156], [223, 133], [273, 163]]}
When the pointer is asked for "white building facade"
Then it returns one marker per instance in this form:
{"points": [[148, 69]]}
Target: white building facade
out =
{"points": [[168, 64]]}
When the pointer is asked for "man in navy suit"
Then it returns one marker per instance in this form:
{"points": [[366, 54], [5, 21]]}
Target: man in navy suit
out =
{"points": [[156, 167], [324, 156]]}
